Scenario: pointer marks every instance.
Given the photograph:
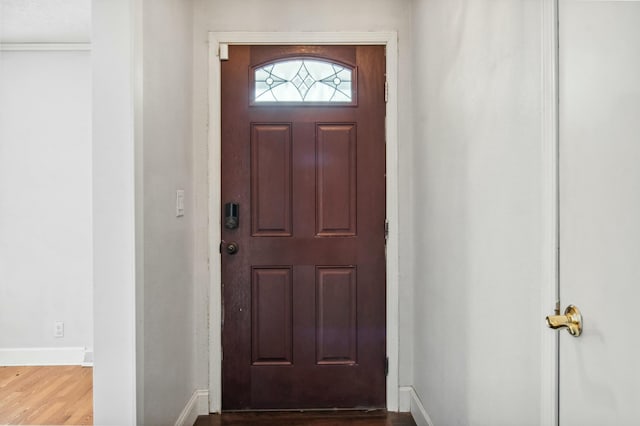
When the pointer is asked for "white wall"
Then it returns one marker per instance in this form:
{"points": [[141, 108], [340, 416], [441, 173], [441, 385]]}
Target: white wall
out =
{"points": [[45, 201], [45, 184], [40, 21], [145, 351], [294, 15], [168, 340], [115, 97], [477, 163]]}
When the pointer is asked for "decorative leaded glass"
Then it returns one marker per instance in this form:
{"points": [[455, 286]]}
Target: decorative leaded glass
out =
{"points": [[303, 80]]}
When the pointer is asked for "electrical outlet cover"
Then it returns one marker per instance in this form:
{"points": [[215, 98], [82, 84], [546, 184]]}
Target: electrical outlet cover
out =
{"points": [[58, 329]]}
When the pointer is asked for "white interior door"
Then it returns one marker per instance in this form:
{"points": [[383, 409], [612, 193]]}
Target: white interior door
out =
{"points": [[599, 89]]}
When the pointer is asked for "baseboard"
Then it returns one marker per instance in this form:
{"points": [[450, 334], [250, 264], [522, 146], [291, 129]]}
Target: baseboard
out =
{"points": [[42, 356], [198, 405], [404, 399], [417, 409], [88, 358]]}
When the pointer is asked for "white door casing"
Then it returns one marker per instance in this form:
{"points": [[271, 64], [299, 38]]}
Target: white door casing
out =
{"points": [[549, 211], [388, 39], [599, 139]]}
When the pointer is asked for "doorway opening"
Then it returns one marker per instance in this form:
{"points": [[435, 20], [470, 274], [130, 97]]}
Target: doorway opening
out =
{"points": [[219, 44]]}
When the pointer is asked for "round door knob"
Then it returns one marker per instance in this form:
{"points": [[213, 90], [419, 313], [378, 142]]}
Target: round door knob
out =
{"points": [[232, 248]]}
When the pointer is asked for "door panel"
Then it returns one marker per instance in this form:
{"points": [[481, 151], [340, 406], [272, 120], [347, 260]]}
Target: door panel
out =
{"points": [[271, 180], [336, 180], [336, 332], [272, 319], [304, 296], [600, 209]]}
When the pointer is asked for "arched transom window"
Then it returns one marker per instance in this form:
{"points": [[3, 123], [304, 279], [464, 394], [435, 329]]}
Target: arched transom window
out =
{"points": [[305, 80]]}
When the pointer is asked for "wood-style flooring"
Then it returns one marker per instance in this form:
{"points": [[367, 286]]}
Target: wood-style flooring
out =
{"points": [[59, 395], [63, 395], [317, 418]]}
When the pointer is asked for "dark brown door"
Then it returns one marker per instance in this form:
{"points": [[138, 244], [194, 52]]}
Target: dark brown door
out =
{"points": [[303, 156]]}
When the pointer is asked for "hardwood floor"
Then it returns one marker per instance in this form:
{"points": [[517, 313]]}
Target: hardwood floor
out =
{"points": [[63, 395], [60, 395], [317, 418]]}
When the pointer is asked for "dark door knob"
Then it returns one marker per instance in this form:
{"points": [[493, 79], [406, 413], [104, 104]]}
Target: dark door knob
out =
{"points": [[232, 248]]}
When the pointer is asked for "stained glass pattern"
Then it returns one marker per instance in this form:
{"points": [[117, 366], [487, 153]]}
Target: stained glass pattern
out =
{"points": [[303, 80]]}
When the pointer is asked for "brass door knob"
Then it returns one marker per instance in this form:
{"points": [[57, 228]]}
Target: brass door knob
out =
{"points": [[572, 320]]}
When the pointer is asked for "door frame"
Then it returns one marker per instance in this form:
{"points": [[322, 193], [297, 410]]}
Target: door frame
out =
{"points": [[389, 39], [550, 213]]}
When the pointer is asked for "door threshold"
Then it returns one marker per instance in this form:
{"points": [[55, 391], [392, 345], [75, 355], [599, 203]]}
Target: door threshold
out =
{"points": [[308, 410]]}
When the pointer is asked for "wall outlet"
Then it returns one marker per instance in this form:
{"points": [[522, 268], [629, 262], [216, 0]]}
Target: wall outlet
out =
{"points": [[58, 329]]}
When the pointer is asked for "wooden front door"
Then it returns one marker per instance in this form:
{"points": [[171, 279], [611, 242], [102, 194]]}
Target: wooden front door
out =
{"points": [[303, 269]]}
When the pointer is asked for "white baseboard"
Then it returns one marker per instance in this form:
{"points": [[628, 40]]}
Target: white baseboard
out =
{"points": [[198, 405], [404, 399], [417, 409], [42, 356], [88, 358]]}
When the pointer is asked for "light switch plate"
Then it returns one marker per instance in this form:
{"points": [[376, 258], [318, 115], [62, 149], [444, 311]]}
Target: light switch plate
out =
{"points": [[180, 202]]}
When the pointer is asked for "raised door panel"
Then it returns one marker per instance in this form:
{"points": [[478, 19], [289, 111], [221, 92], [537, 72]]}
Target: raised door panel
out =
{"points": [[271, 180], [336, 201], [271, 316], [336, 333]]}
